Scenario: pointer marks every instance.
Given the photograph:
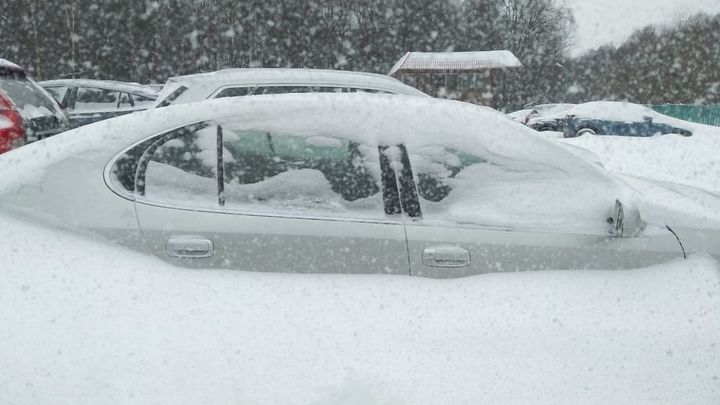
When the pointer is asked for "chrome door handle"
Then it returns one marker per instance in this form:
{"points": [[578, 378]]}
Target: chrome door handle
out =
{"points": [[192, 247], [446, 256]]}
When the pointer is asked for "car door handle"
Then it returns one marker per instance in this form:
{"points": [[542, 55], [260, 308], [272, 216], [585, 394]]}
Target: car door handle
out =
{"points": [[189, 247], [446, 256]]}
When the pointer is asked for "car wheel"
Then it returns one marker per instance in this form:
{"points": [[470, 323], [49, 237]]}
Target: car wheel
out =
{"points": [[584, 131], [681, 133], [546, 128]]}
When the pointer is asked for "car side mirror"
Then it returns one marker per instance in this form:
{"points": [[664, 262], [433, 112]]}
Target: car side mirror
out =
{"points": [[647, 119], [626, 222]]}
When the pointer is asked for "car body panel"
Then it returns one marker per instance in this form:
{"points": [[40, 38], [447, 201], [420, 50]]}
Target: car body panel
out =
{"points": [[278, 244], [498, 250]]}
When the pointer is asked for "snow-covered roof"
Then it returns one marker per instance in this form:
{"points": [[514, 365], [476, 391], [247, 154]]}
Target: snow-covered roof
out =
{"points": [[294, 76], [203, 85], [103, 84], [4, 63], [442, 62]]}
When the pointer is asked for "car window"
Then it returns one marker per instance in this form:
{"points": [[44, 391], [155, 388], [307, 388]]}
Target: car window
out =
{"points": [[361, 90], [95, 99], [142, 101], [270, 172], [259, 173], [57, 91], [436, 168], [234, 92], [260, 90]]}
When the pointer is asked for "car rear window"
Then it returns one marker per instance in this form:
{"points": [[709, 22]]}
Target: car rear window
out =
{"points": [[172, 96], [23, 92]]}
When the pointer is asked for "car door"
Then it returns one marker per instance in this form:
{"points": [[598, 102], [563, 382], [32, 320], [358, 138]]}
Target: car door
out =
{"points": [[92, 104], [476, 216], [210, 196]]}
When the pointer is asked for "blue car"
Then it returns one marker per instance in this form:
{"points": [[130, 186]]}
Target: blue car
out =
{"points": [[613, 118]]}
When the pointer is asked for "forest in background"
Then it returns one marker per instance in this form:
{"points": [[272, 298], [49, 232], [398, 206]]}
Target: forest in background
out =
{"points": [[148, 41]]}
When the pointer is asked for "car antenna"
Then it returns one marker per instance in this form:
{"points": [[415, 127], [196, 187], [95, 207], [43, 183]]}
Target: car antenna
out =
{"points": [[678, 239]]}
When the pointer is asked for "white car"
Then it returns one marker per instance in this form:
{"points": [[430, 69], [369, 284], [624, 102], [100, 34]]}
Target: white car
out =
{"points": [[245, 82], [344, 182], [88, 101]]}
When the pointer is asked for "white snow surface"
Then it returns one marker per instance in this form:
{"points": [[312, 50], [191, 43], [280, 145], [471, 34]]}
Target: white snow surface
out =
{"points": [[691, 161], [85, 322]]}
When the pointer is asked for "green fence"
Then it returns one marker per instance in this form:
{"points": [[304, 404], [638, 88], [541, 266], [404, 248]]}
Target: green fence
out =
{"points": [[703, 114]]}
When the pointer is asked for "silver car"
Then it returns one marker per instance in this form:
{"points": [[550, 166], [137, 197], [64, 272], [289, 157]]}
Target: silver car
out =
{"points": [[246, 82], [348, 183], [88, 101]]}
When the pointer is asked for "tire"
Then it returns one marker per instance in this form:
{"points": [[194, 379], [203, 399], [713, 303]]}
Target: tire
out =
{"points": [[583, 131], [546, 128]]}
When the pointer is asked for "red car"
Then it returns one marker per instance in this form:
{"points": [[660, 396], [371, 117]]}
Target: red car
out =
{"points": [[27, 112]]}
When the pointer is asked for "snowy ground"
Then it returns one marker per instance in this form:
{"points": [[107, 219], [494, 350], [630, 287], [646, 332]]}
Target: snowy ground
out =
{"points": [[691, 161], [85, 323]]}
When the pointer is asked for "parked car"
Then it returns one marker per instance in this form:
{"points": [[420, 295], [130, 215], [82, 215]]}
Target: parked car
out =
{"points": [[245, 82], [620, 118], [548, 117], [521, 116], [27, 112], [89, 101], [307, 183]]}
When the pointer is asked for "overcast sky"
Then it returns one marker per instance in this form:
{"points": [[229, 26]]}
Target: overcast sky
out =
{"points": [[603, 21]]}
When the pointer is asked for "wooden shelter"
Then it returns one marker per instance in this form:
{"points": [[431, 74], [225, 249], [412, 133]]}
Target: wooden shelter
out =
{"points": [[467, 76]]}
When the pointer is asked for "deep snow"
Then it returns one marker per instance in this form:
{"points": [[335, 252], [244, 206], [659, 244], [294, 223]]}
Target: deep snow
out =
{"points": [[85, 323]]}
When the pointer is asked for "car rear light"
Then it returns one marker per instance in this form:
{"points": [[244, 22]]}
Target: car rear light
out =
{"points": [[527, 118], [13, 134]]}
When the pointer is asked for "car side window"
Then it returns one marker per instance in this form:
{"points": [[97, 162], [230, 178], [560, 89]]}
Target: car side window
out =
{"points": [[181, 168], [257, 172], [58, 92], [234, 92], [261, 90], [142, 101], [89, 99], [317, 175], [435, 169], [373, 91]]}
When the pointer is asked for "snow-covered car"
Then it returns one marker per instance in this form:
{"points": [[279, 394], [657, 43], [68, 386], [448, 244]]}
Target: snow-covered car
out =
{"points": [[308, 183], [620, 118], [89, 101], [245, 82], [27, 112], [548, 117], [521, 116]]}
